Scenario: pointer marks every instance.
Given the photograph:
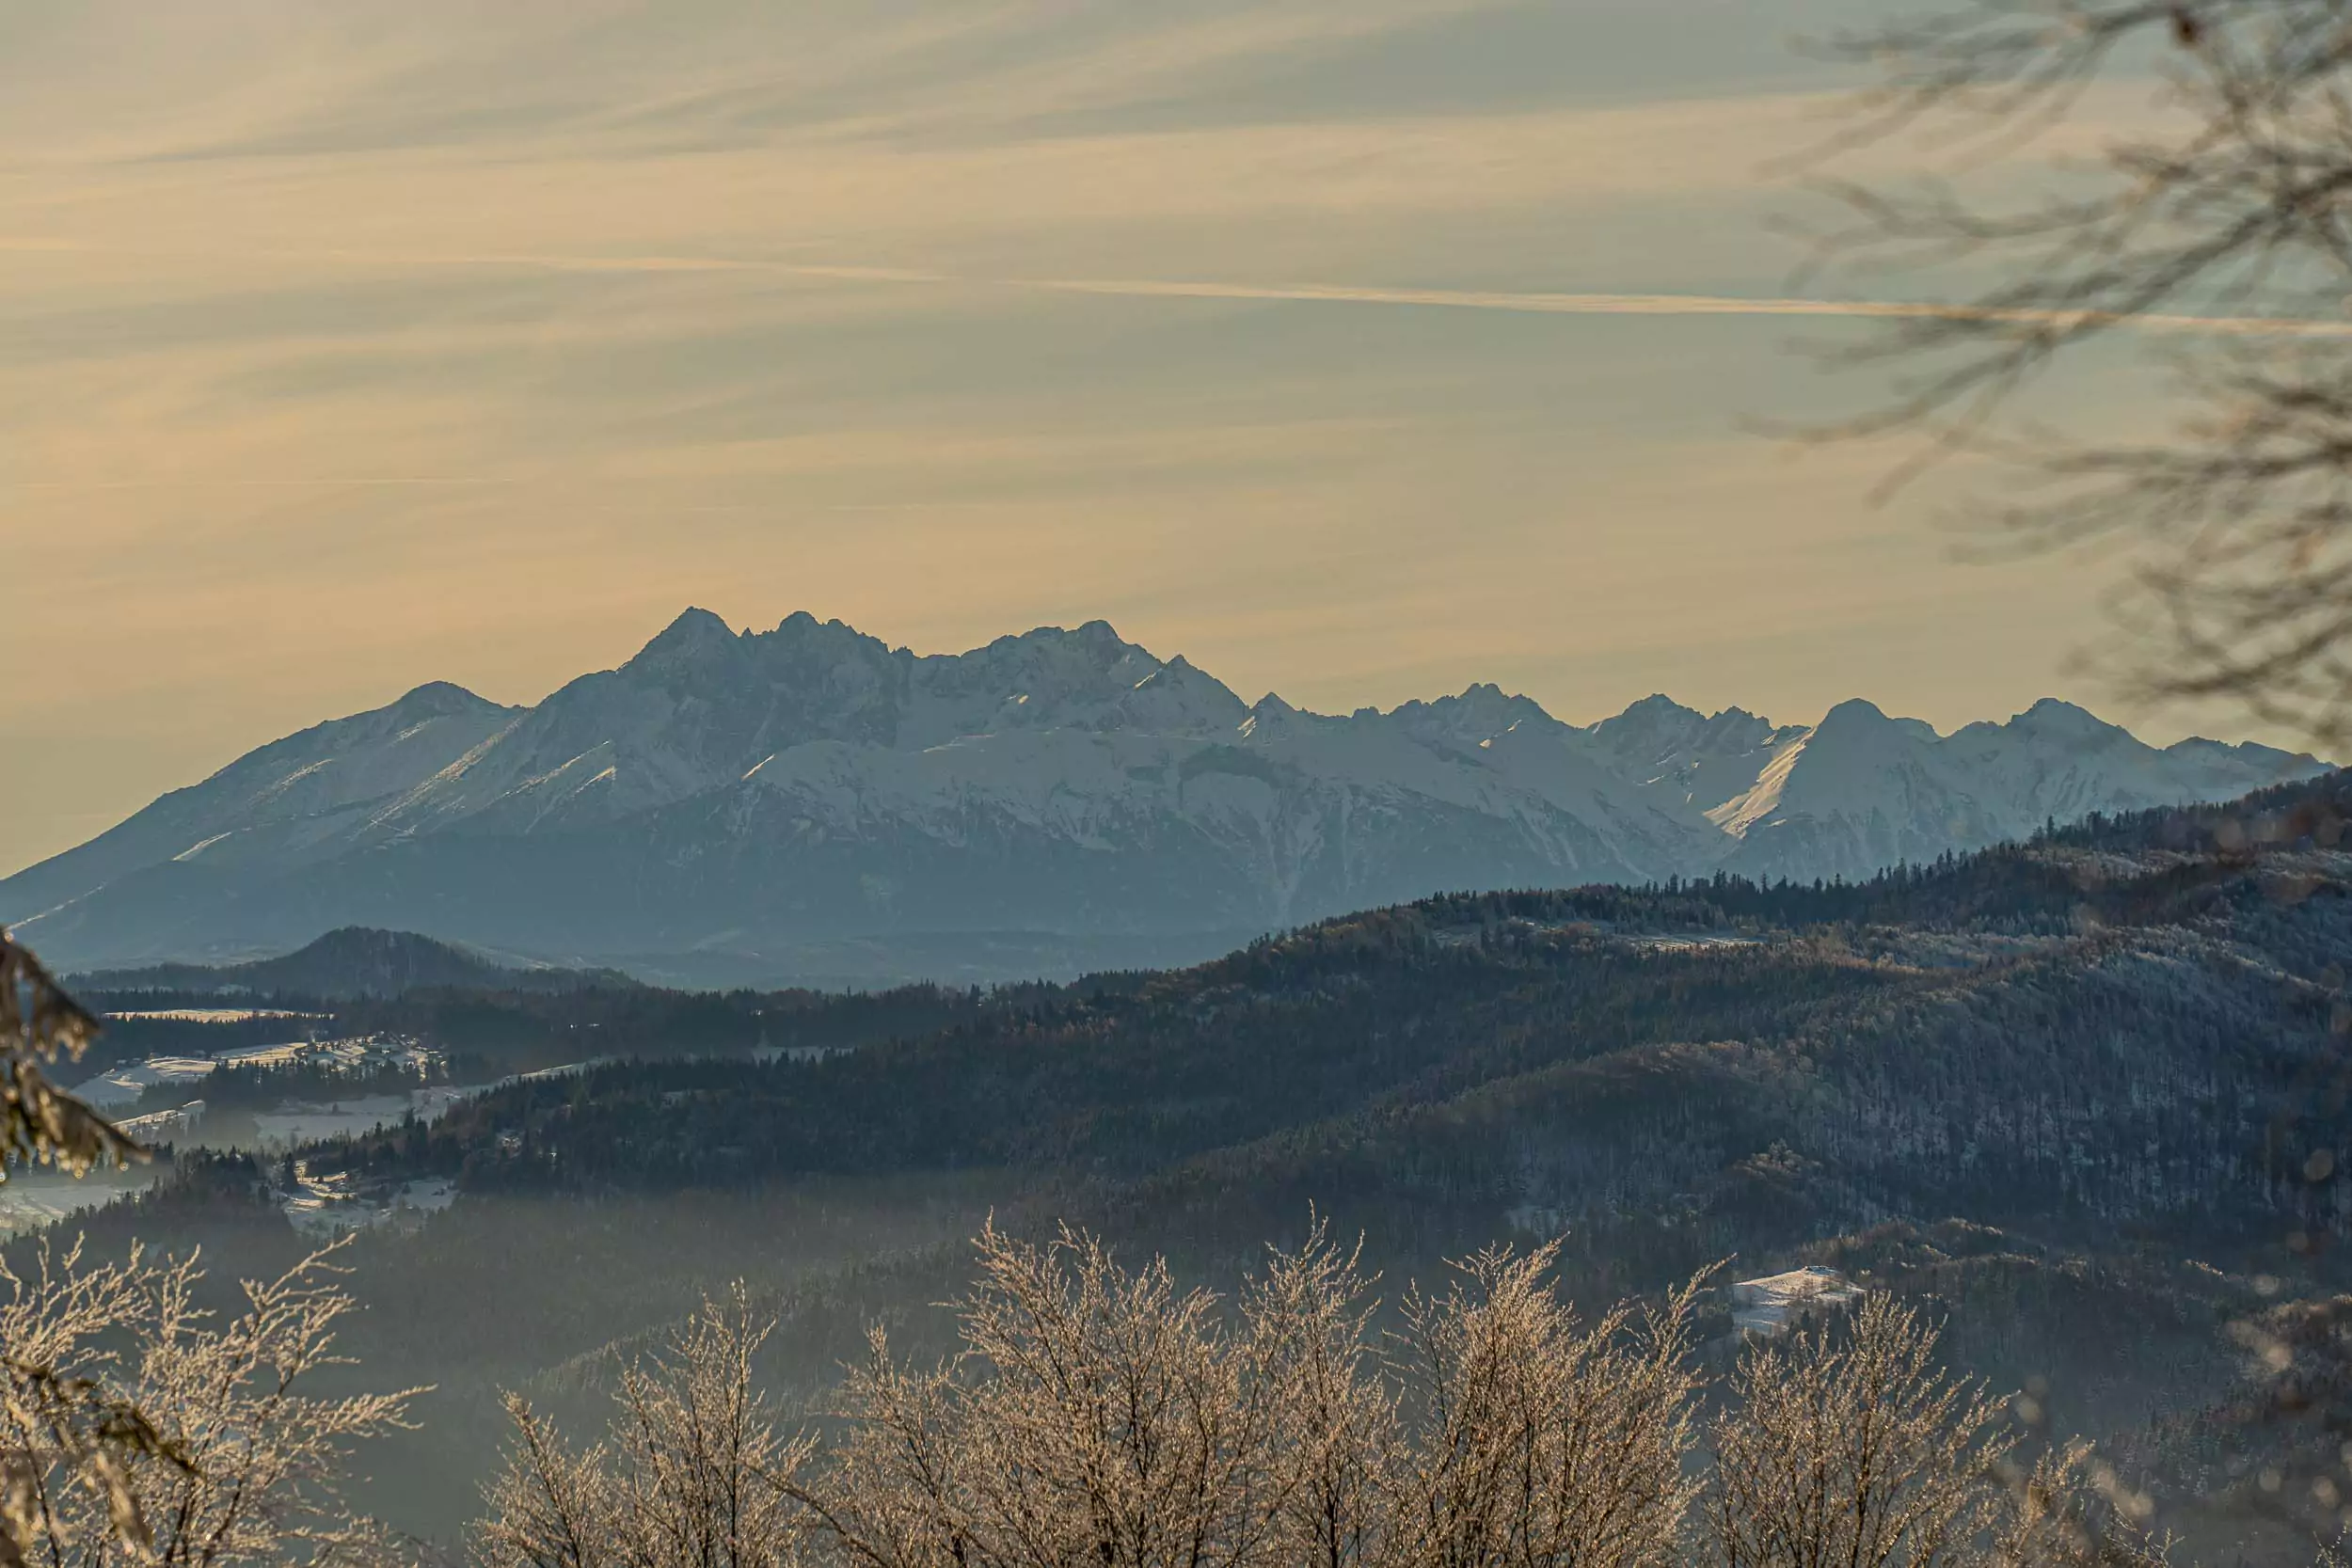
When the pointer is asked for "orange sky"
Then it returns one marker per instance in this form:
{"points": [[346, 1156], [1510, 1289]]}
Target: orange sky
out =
{"points": [[354, 346]]}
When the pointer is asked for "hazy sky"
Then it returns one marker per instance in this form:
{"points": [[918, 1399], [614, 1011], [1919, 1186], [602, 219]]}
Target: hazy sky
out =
{"points": [[346, 347]]}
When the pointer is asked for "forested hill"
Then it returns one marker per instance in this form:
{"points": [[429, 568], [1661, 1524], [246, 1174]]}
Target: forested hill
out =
{"points": [[349, 963], [2083, 1092], [2122, 1025]]}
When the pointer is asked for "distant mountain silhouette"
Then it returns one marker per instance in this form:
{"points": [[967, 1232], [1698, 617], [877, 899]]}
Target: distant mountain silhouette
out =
{"points": [[811, 803], [354, 961]]}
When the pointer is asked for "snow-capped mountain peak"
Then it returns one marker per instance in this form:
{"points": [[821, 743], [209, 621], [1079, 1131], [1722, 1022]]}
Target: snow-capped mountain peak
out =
{"points": [[758, 791], [1476, 716], [1704, 763]]}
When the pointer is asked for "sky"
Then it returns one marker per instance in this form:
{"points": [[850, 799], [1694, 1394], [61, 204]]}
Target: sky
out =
{"points": [[1356, 349]]}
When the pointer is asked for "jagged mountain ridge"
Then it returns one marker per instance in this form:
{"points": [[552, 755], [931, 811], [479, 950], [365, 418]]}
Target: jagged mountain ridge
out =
{"points": [[770, 796]]}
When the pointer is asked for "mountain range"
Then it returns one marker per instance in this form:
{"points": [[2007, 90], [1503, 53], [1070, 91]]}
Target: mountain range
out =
{"points": [[809, 803]]}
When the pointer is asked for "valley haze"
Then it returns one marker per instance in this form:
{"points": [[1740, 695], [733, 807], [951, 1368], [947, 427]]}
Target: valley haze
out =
{"points": [[811, 806]]}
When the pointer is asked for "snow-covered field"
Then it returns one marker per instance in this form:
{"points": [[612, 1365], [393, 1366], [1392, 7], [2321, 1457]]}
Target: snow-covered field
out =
{"points": [[123, 1085], [31, 1199], [334, 1202], [290, 1125], [213, 1015]]}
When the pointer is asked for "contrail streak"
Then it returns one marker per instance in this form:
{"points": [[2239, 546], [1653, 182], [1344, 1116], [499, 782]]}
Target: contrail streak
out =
{"points": [[361, 484], [1522, 302], [1683, 304]]}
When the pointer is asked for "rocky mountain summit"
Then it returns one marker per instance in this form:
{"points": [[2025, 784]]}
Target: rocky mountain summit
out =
{"points": [[811, 803]]}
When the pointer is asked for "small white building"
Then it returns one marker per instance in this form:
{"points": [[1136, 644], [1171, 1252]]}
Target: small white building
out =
{"points": [[1775, 1302], [162, 1127]]}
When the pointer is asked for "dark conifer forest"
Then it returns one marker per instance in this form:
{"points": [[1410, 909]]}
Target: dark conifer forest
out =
{"points": [[2086, 1095]]}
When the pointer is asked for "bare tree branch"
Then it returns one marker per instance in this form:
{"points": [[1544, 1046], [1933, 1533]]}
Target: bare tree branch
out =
{"points": [[38, 1024], [2231, 197]]}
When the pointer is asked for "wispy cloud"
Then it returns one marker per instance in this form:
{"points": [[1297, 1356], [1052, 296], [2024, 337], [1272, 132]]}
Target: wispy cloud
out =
{"points": [[351, 345], [1528, 302]]}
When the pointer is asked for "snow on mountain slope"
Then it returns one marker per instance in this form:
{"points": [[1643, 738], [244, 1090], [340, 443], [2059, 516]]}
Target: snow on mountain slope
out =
{"points": [[312, 790], [1283, 817], [1681, 755], [702, 706], [748, 793], [1479, 715], [2210, 769], [1862, 791]]}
